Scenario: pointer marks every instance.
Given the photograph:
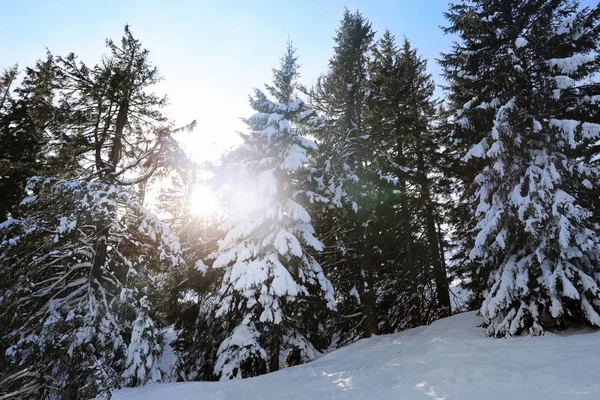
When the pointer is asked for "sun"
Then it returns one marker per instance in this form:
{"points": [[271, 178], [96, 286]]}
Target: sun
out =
{"points": [[203, 202]]}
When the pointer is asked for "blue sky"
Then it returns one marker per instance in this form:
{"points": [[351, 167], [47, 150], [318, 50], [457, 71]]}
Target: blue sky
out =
{"points": [[212, 53]]}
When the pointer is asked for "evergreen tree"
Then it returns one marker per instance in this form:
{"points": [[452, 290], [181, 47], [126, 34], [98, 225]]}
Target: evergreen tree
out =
{"points": [[200, 332], [83, 262], [349, 179], [401, 114], [417, 115], [191, 293], [27, 114], [399, 293], [7, 78], [273, 292], [522, 88]]}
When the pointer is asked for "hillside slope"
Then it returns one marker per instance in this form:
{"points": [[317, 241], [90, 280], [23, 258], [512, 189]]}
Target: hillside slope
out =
{"points": [[451, 359]]}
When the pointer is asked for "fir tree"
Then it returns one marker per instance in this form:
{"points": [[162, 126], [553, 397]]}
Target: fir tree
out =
{"points": [[200, 332], [83, 261], [399, 297], [401, 114], [346, 147], [522, 87], [27, 114], [190, 294], [273, 290], [418, 115], [7, 78]]}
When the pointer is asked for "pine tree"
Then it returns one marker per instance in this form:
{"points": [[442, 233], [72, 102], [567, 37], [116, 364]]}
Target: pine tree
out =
{"points": [[273, 290], [401, 114], [7, 78], [398, 275], [145, 345], [418, 117], [522, 88], [26, 114], [346, 147], [83, 261], [200, 332]]}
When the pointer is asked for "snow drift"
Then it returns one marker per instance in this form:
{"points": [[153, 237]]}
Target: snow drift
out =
{"points": [[450, 360]]}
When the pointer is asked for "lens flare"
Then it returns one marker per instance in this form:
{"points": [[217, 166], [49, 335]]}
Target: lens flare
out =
{"points": [[204, 202]]}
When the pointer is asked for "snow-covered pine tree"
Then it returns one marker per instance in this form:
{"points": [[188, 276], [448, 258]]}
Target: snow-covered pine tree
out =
{"points": [[80, 265], [145, 345], [273, 291], [524, 88], [349, 178]]}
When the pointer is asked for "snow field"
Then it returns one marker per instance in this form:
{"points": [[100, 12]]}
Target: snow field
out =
{"points": [[451, 359]]}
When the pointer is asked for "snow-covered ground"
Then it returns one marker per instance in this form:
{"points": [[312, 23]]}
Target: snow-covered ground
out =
{"points": [[451, 359]]}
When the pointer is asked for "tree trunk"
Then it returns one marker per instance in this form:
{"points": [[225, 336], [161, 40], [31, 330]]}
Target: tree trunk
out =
{"points": [[409, 259], [100, 252], [117, 144], [441, 245], [10, 77], [4, 97], [102, 227], [368, 299], [275, 348], [439, 270]]}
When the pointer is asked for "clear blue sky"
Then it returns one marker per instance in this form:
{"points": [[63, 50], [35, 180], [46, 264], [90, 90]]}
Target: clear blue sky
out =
{"points": [[212, 53]]}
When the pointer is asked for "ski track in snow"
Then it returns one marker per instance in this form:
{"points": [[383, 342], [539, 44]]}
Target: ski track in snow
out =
{"points": [[450, 359]]}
